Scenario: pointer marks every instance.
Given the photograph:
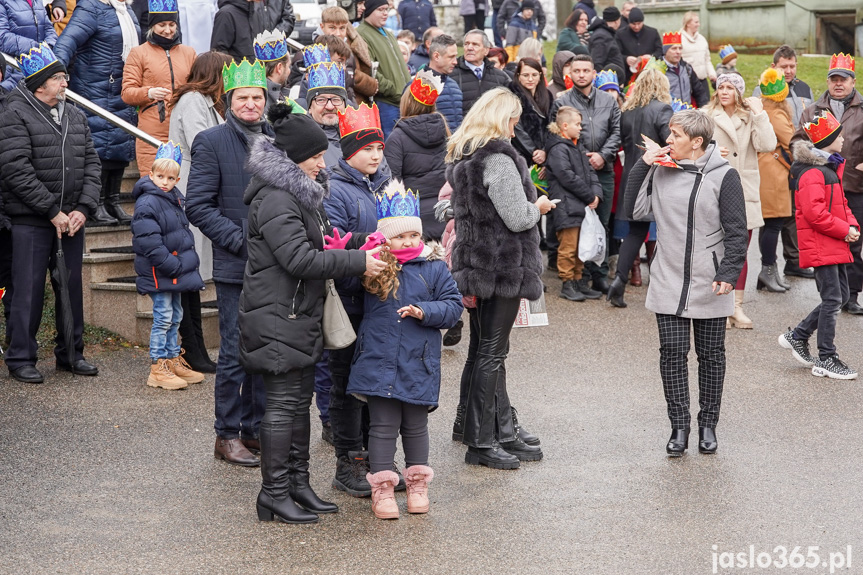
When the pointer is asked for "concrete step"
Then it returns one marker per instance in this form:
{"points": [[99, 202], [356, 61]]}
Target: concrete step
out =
{"points": [[127, 202], [107, 237]]}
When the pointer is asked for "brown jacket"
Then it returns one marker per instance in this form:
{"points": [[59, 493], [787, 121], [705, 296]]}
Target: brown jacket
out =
{"points": [[364, 85], [852, 130], [149, 67], [774, 166]]}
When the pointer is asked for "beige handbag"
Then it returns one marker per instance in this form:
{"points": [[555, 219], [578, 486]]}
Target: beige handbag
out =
{"points": [[335, 325]]}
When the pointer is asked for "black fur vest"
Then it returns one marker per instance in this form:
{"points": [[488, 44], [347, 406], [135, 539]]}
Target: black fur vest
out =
{"points": [[488, 259]]}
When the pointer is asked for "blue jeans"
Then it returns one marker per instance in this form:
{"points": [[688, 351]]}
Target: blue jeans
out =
{"points": [[389, 117], [240, 398], [167, 314], [323, 383]]}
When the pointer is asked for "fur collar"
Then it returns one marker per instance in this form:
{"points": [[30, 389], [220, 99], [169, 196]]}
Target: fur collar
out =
{"points": [[433, 251], [273, 167], [804, 152]]}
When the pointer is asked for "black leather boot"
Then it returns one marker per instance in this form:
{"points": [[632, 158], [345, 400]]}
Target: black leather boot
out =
{"points": [[115, 210], [707, 440], [493, 457], [102, 217], [521, 432], [300, 490], [283, 509], [678, 442], [191, 334], [458, 424], [522, 450], [616, 291]]}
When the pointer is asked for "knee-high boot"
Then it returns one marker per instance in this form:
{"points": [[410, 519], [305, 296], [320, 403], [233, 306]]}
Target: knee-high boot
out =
{"points": [[299, 489], [192, 342]]}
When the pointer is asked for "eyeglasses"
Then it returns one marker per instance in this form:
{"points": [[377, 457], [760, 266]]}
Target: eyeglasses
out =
{"points": [[530, 76], [323, 101], [60, 77]]}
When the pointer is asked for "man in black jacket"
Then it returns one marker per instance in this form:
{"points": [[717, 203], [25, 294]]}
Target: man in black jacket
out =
{"points": [[475, 74], [51, 181], [238, 22], [604, 50], [636, 40]]}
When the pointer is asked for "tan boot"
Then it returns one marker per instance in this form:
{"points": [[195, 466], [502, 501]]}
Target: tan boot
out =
{"points": [[383, 496], [162, 376], [417, 479], [184, 371], [739, 319]]}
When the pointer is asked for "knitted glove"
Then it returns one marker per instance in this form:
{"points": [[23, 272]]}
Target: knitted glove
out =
{"points": [[374, 240], [336, 242], [443, 211]]}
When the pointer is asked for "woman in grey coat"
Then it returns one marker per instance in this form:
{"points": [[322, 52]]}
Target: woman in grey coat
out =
{"points": [[696, 198]]}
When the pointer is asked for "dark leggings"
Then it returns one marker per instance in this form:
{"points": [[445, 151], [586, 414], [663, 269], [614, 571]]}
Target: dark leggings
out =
{"points": [[769, 239], [388, 417], [631, 246]]}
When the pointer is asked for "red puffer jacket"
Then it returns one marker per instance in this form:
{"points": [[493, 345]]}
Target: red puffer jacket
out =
{"points": [[823, 217]]}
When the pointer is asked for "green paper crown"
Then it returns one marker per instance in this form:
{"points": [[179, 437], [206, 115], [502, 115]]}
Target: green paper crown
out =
{"points": [[244, 75]]}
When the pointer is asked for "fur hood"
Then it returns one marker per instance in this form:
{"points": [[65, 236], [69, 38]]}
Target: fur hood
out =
{"points": [[272, 168], [803, 151], [433, 251]]}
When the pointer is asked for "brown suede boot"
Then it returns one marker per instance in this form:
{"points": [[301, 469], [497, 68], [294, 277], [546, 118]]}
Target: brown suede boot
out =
{"points": [[417, 479], [383, 495], [161, 375], [184, 371]]}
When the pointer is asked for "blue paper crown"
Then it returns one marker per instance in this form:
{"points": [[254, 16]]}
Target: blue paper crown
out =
{"points": [[679, 105], [327, 75], [396, 202], [37, 59], [271, 46], [316, 54], [163, 6], [727, 51], [606, 79], [170, 150]]}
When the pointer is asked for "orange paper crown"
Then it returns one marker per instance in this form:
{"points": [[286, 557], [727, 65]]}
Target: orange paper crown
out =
{"points": [[360, 118], [842, 62], [426, 87], [821, 127], [568, 83], [672, 38]]}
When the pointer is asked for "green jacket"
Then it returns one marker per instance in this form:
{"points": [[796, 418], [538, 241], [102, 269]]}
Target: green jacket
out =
{"points": [[393, 73]]}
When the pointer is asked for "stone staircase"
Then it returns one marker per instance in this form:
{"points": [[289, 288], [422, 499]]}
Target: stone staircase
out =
{"points": [[110, 298]]}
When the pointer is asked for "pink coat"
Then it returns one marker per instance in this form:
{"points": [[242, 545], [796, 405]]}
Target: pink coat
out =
{"points": [[448, 241]]}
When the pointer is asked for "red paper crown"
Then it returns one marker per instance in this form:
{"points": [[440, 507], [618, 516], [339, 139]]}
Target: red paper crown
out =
{"points": [[360, 118], [672, 38], [426, 88], [842, 62], [568, 83], [821, 127]]}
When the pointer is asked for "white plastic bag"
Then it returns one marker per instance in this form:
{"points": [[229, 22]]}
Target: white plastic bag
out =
{"points": [[591, 240]]}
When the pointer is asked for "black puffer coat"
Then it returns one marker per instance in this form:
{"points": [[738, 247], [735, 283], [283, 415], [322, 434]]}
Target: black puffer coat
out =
{"points": [[232, 29], [604, 48], [284, 285], [415, 152], [571, 180], [42, 162], [651, 121], [471, 87], [530, 132]]}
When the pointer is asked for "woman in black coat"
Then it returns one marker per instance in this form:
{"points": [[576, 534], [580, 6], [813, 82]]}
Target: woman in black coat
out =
{"points": [[645, 114], [531, 88], [282, 303]]}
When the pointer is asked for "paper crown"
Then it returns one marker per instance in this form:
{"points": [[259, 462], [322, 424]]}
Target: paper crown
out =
{"points": [[362, 117], [271, 46], [568, 83], [327, 75], [773, 85], [678, 105], [38, 58], [541, 185], [244, 75], [426, 87], [170, 150], [607, 80], [397, 202], [841, 63], [162, 6], [316, 54], [672, 38], [821, 127], [727, 53]]}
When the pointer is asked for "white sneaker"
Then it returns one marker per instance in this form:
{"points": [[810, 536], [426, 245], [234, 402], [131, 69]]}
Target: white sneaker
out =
{"points": [[834, 368], [799, 349]]}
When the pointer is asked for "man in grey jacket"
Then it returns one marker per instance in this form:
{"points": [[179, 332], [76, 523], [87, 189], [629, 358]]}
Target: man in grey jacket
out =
{"points": [[600, 119]]}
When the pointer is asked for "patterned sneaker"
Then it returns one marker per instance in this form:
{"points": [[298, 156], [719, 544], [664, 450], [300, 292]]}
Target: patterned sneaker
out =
{"points": [[834, 368], [799, 349]]}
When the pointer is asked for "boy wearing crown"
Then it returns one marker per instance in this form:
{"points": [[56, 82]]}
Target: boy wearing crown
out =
{"points": [[684, 82], [166, 265], [42, 135], [825, 228]]}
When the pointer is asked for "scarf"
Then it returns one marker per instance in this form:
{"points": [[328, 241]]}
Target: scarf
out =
{"points": [[130, 35], [838, 106], [407, 254], [162, 42]]}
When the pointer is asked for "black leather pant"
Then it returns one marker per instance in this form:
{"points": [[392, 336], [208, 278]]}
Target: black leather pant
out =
{"points": [[285, 431], [488, 415]]}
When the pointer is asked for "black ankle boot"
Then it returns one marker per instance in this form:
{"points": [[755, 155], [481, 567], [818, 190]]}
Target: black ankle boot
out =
{"points": [[458, 424], [616, 291], [522, 450], [521, 432], [453, 334], [678, 442], [493, 457], [284, 510], [707, 440], [115, 210], [102, 217]]}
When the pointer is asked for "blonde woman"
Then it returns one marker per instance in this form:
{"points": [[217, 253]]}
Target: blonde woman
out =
{"points": [[743, 129], [497, 260], [696, 50]]}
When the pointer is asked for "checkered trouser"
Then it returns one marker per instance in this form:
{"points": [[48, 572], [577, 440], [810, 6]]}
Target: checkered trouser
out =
{"points": [[673, 351]]}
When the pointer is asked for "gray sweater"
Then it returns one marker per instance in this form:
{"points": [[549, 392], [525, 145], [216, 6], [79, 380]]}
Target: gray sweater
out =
{"points": [[503, 182]]}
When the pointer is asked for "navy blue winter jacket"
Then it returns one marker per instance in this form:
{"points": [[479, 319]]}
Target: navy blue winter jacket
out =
{"points": [[91, 47], [214, 195], [165, 257], [22, 26], [351, 207], [400, 358], [417, 16], [449, 103]]}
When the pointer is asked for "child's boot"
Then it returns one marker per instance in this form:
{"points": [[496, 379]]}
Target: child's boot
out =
{"points": [[417, 478], [383, 495], [184, 371], [161, 375]]}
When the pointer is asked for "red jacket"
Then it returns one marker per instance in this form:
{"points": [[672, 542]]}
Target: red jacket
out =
{"points": [[823, 217]]}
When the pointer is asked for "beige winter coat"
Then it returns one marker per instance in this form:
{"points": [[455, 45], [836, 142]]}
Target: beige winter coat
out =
{"points": [[745, 134], [696, 52], [775, 193]]}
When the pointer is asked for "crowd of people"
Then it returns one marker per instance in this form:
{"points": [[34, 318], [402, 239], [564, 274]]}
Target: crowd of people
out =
{"points": [[346, 228]]}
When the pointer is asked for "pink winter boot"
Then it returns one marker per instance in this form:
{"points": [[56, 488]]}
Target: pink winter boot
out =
{"points": [[383, 498], [417, 479]]}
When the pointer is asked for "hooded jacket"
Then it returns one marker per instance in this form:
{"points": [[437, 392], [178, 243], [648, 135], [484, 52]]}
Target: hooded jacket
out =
{"points": [[399, 358], [23, 25], [561, 59], [701, 233], [417, 16], [821, 209], [282, 303], [233, 31], [571, 179], [472, 87], [415, 153], [165, 257], [600, 120], [517, 31], [650, 121], [509, 8], [603, 46]]}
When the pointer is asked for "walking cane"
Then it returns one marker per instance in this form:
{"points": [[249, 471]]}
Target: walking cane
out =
{"points": [[375, 66]]}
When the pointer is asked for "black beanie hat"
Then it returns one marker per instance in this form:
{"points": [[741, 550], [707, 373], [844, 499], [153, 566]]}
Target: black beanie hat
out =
{"points": [[372, 5], [356, 141], [636, 15], [35, 81], [298, 135], [611, 14], [156, 17], [528, 5]]}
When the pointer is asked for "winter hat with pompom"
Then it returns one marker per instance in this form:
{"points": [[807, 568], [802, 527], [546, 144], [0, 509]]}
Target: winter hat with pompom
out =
{"points": [[298, 135]]}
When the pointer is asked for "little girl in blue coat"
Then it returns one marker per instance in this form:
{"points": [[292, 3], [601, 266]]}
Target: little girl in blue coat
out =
{"points": [[396, 367]]}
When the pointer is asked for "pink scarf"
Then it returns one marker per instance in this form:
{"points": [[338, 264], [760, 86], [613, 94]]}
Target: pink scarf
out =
{"points": [[407, 254]]}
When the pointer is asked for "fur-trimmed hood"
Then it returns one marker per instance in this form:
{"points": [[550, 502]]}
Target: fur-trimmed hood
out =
{"points": [[271, 167], [433, 251], [803, 151]]}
